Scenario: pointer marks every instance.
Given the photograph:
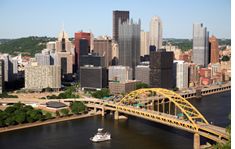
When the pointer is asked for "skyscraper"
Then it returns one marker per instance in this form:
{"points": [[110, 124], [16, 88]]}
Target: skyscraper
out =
{"points": [[161, 69], [155, 33], [214, 50], [129, 44], [78, 37], [200, 45], [144, 43], [64, 55], [123, 16], [103, 46]]}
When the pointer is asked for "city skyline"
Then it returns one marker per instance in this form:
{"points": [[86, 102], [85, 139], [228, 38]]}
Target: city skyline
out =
{"points": [[47, 19]]}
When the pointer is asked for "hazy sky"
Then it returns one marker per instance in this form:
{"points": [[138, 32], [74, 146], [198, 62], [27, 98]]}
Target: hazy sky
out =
{"points": [[21, 18]]}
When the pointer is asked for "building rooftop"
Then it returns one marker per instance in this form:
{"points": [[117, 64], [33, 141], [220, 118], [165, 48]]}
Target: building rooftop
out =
{"points": [[55, 104]]}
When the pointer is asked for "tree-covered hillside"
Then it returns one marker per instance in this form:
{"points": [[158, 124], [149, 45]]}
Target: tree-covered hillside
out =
{"points": [[26, 46]]}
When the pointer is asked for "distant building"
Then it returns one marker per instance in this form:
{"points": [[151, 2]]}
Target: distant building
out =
{"points": [[123, 16], [1, 76], [129, 44], [142, 73], [38, 77], [122, 87], [93, 77], [80, 48], [175, 49], [10, 68], [200, 45], [182, 76], [64, 55], [161, 69], [51, 45], [92, 59], [103, 46], [214, 49], [205, 76], [155, 33], [44, 58], [120, 73], [194, 75], [144, 43]]}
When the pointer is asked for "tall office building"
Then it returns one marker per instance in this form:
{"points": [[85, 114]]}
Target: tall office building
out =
{"points": [[123, 16], [44, 58], [92, 59], [81, 37], [129, 44], [181, 74], [103, 46], [64, 55], [200, 45], [161, 69], [93, 77], [144, 43], [155, 33], [214, 50], [38, 77]]}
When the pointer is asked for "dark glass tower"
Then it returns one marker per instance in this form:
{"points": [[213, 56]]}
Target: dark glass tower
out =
{"points": [[123, 16]]}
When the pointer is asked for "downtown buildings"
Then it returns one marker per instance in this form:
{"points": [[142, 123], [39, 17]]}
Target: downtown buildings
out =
{"points": [[155, 33]]}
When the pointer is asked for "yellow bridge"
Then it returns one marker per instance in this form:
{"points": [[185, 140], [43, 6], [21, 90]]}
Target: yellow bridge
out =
{"points": [[172, 110]]}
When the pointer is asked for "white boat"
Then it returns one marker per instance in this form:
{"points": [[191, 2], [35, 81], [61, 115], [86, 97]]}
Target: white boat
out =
{"points": [[101, 136]]}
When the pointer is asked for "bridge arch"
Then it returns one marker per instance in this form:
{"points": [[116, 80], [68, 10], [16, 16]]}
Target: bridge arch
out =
{"points": [[181, 103]]}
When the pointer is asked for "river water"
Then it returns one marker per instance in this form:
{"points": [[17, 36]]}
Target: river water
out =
{"points": [[133, 133]]}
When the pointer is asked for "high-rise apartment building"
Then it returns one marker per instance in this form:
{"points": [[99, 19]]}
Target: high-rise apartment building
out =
{"points": [[123, 16], [129, 44], [80, 49], [161, 69], [38, 77], [144, 43], [155, 33], [103, 46], [214, 49], [200, 45]]}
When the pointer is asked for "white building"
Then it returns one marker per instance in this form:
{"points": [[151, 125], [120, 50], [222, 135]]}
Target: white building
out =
{"points": [[155, 34], [120, 73], [144, 43], [181, 74], [38, 77]]}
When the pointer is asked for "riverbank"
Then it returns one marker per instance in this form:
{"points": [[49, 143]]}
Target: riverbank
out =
{"points": [[50, 121]]}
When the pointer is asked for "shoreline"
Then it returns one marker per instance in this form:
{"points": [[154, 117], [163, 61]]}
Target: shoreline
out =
{"points": [[50, 121]]}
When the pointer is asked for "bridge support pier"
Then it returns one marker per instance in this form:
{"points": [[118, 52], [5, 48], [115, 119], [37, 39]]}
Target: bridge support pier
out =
{"points": [[196, 141], [95, 110], [116, 115], [102, 111]]}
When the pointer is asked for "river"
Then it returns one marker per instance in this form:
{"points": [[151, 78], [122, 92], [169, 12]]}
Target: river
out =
{"points": [[133, 133]]}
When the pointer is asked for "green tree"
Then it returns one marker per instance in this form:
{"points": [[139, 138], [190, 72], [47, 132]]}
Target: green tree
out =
{"points": [[141, 85], [77, 107], [48, 115], [101, 94], [225, 58], [64, 112], [9, 121], [20, 117]]}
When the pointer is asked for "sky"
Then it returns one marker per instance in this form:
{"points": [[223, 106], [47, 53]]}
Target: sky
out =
{"points": [[22, 18]]}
